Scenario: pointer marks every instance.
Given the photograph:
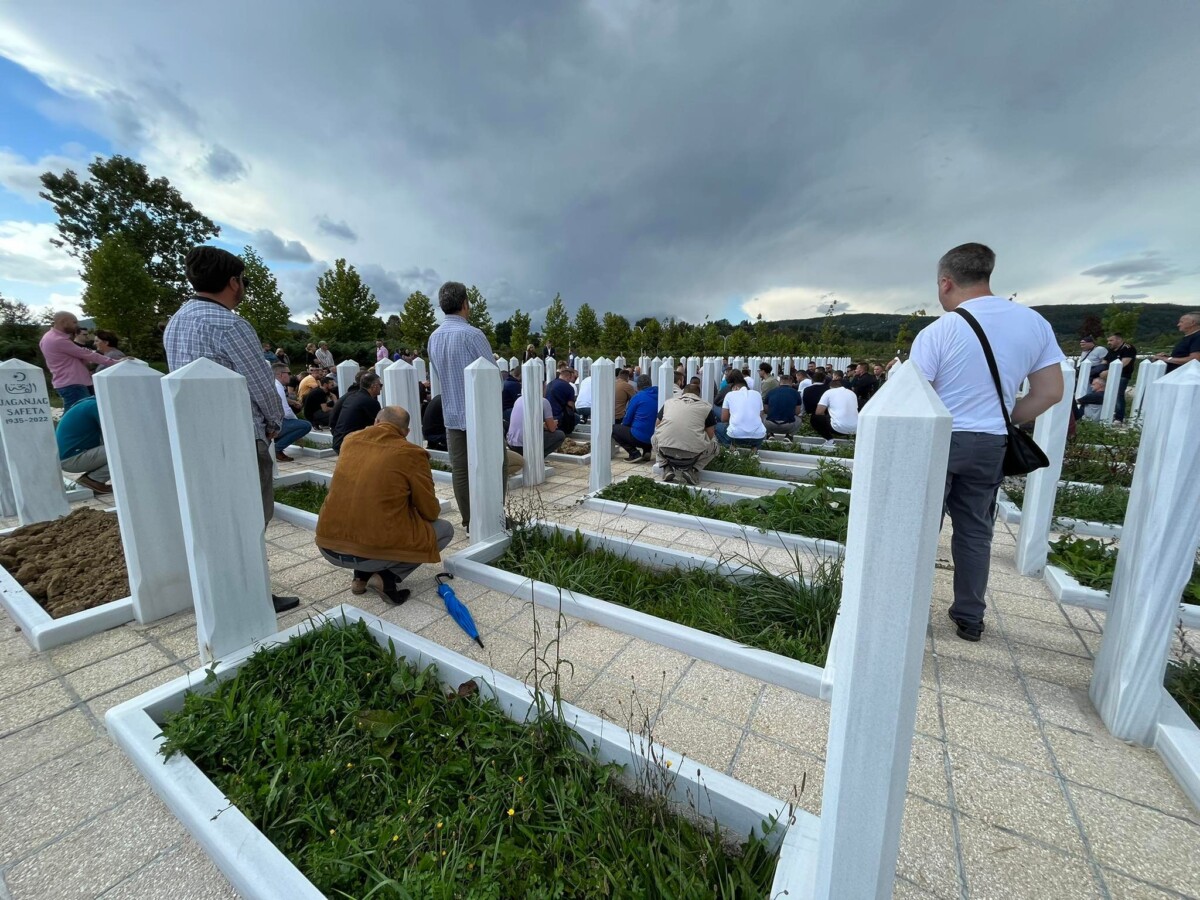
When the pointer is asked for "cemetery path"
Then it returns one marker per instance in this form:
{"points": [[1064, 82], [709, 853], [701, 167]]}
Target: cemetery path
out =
{"points": [[1015, 789]]}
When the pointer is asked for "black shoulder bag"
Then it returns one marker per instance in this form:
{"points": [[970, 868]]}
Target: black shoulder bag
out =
{"points": [[1021, 454]]}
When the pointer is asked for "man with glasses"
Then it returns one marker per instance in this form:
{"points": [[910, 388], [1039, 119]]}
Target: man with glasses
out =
{"points": [[207, 327]]}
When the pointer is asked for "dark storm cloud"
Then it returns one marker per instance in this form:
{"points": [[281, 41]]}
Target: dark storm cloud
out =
{"points": [[273, 247], [222, 164], [674, 159], [335, 229]]}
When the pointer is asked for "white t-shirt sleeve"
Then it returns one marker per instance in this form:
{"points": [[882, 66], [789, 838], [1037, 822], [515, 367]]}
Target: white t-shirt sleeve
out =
{"points": [[923, 354], [1050, 353]]}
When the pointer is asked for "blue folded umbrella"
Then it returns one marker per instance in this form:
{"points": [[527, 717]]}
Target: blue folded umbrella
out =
{"points": [[458, 612]]}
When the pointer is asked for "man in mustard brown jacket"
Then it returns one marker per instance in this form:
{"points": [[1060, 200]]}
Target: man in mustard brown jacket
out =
{"points": [[381, 516]]}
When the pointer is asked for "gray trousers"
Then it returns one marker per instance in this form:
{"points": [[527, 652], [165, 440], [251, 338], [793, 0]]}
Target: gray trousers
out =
{"points": [[92, 463], [781, 427], [456, 446], [266, 479], [973, 474], [400, 570]]}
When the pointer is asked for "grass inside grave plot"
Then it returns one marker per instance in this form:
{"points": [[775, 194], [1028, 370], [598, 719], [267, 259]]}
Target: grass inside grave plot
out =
{"points": [[1183, 683], [69, 564], [313, 445], [1093, 562], [816, 511], [782, 616], [1101, 455], [1106, 505], [438, 466], [734, 462], [375, 782], [837, 451], [307, 495]]}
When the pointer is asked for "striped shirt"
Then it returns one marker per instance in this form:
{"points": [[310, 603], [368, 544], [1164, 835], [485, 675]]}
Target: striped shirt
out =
{"points": [[453, 346], [204, 329]]}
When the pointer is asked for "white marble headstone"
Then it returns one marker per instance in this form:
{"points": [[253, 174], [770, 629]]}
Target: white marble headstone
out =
{"points": [[30, 451]]}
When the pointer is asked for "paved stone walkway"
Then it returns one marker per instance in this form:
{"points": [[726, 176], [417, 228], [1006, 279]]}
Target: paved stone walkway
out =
{"points": [[1016, 790]]}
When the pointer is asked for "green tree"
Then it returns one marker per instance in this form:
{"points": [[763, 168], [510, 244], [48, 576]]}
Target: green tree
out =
{"points": [[480, 317], [651, 337], [739, 342], [346, 307], [393, 331], [1121, 319], [119, 196], [587, 329], [263, 305], [15, 319], [119, 293], [1092, 326], [519, 337], [557, 328], [907, 331], [614, 339], [417, 322]]}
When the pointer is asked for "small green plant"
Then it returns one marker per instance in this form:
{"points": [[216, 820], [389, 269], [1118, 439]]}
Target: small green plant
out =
{"points": [[1100, 454], [1093, 562], [837, 451], [1182, 678], [376, 782], [313, 445], [438, 466], [813, 511], [1107, 505], [307, 495], [734, 462], [785, 616]]}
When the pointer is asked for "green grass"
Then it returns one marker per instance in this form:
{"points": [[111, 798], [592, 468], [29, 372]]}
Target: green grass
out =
{"points": [[764, 611], [816, 511], [376, 782], [1107, 505], [438, 466], [1093, 562], [1183, 683], [837, 451], [738, 463], [313, 445], [1100, 454], [308, 496]]}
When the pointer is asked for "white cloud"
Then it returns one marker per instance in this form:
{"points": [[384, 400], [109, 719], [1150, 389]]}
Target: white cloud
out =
{"points": [[24, 177], [26, 255]]}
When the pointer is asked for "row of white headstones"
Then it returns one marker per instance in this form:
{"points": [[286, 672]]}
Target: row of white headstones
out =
{"points": [[186, 488]]}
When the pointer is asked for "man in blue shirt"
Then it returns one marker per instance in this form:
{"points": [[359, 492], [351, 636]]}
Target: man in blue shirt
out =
{"points": [[81, 445], [783, 405], [561, 395], [637, 428], [510, 392]]}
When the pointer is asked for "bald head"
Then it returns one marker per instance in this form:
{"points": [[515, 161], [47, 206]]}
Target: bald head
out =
{"points": [[65, 321], [394, 415]]}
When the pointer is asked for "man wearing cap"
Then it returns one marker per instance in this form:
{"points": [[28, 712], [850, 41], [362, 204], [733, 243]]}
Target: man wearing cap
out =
{"points": [[1089, 352]]}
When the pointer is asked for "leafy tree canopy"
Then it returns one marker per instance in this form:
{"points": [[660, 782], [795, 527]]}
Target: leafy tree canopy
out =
{"points": [[119, 293], [346, 308], [587, 328], [519, 337], [480, 317], [263, 306], [417, 322], [557, 328], [119, 196], [614, 338]]}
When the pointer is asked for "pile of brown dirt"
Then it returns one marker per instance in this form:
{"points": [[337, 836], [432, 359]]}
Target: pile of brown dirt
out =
{"points": [[574, 448], [68, 565]]}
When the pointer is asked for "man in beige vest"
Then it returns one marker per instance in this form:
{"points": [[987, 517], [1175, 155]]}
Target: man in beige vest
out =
{"points": [[684, 438]]}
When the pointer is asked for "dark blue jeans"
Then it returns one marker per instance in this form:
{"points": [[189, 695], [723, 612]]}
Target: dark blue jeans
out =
{"points": [[290, 431], [72, 394]]}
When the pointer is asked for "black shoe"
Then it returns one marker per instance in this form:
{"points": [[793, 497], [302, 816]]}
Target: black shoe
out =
{"points": [[397, 596], [968, 631], [283, 604], [641, 458], [634, 455]]}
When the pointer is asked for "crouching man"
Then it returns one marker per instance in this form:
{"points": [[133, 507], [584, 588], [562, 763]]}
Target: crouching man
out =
{"points": [[684, 439], [381, 516]]}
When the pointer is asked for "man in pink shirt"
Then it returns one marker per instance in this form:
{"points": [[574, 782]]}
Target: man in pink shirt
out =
{"points": [[68, 361], [381, 351]]}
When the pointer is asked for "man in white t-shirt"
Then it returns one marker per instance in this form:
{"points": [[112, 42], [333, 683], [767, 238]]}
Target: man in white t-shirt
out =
{"points": [[837, 411], [583, 400], [741, 422], [949, 355]]}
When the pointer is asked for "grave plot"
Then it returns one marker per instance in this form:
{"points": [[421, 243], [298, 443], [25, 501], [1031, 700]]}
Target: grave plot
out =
{"points": [[528, 791], [1101, 455], [300, 495], [1081, 570], [313, 449], [739, 468], [65, 579], [798, 453], [573, 451], [319, 439], [1093, 510], [812, 519], [730, 612]]}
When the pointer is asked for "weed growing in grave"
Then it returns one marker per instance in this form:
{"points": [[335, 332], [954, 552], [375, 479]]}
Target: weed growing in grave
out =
{"points": [[1093, 562], [313, 445], [733, 462], [813, 511], [837, 451], [1182, 679], [781, 615], [375, 781], [1100, 454], [307, 495], [1107, 505], [438, 466]]}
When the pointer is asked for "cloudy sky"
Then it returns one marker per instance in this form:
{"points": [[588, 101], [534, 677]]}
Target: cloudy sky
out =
{"points": [[649, 158]]}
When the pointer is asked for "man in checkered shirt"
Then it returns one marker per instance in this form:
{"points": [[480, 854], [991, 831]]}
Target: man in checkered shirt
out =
{"points": [[207, 327]]}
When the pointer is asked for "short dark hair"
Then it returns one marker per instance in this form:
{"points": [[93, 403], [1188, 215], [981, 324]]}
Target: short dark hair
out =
{"points": [[210, 268], [967, 264], [1110, 334], [643, 381], [452, 297], [735, 378], [693, 389], [369, 379], [109, 338], [764, 367]]}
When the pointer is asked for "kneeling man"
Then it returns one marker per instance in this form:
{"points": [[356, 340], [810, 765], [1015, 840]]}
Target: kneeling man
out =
{"points": [[381, 516]]}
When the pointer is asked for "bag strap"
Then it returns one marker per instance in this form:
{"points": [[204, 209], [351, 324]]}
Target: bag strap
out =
{"points": [[991, 360]]}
